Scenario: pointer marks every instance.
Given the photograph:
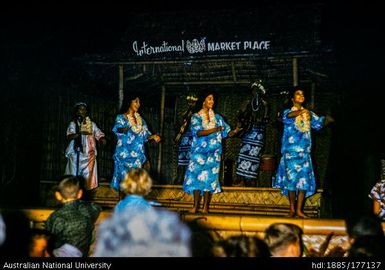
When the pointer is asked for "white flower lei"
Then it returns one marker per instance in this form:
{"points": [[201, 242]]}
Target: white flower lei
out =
{"points": [[87, 127], [192, 97], [302, 121], [136, 127], [211, 122]]}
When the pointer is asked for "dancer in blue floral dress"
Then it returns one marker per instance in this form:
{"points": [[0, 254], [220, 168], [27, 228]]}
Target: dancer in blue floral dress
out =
{"points": [[202, 174], [132, 132], [295, 175]]}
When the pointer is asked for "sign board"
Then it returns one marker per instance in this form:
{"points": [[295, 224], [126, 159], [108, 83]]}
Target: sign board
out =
{"points": [[197, 47]]}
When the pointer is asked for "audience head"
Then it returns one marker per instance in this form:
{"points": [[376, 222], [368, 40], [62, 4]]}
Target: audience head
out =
{"points": [[364, 226], [152, 233], [284, 240], [368, 246], [137, 181], [201, 240], [40, 243], [241, 246], [69, 189]]}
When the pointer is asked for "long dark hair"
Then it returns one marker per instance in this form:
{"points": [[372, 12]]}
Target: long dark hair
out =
{"points": [[127, 99], [288, 102], [203, 95]]}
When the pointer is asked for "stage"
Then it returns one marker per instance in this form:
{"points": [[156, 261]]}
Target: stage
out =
{"points": [[232, 200], [237, 210]]}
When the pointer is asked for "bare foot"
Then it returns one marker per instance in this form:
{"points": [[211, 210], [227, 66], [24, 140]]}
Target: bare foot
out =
{"points": [[205, 210], [291, 214], [302, 215], [193, 210]]}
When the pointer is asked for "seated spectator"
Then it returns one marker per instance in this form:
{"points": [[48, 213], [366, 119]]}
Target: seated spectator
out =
{"points": [[136, 184], [358, 228], [324, 251], [363, 226], [151, 233], [201, 240], [368, 246], [284, 240], [74, 222], [241, 246], [377, 194], [40, 245]]}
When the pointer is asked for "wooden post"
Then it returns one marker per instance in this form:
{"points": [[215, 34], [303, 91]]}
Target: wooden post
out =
{"points": [[295, 71], [161, 127], [233, 71], [121, 80], [312, 95]]}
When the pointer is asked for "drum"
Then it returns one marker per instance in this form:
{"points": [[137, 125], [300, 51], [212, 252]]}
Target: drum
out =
{"points": [[267, 163], [266, 170]]}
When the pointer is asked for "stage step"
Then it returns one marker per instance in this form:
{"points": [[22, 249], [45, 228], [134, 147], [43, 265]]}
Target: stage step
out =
{"points": [[232, 200], [235, 208]]}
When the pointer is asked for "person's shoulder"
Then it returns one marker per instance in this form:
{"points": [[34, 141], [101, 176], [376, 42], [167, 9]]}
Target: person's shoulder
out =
{"points": [[57, 213], [287, 110], [380, 183], [378, 187], [93, 122], [86, 203], [218, 115], [314, 113], [90, 205]]}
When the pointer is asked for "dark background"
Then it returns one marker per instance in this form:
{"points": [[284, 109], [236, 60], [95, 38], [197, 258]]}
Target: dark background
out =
{"points": [[38, 42]]}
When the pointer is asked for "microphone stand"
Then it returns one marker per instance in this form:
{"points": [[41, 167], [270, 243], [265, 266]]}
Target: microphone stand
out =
{"points": [[78, 143]]}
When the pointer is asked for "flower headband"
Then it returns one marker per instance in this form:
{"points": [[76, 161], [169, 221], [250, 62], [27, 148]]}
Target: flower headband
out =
{"points": [[80, 104], [192, 97], [259, 85]]}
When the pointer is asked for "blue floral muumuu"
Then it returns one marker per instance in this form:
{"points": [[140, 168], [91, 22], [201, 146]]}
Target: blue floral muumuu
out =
{"points": [[295, 170], [205, 155], [130, 150]]}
